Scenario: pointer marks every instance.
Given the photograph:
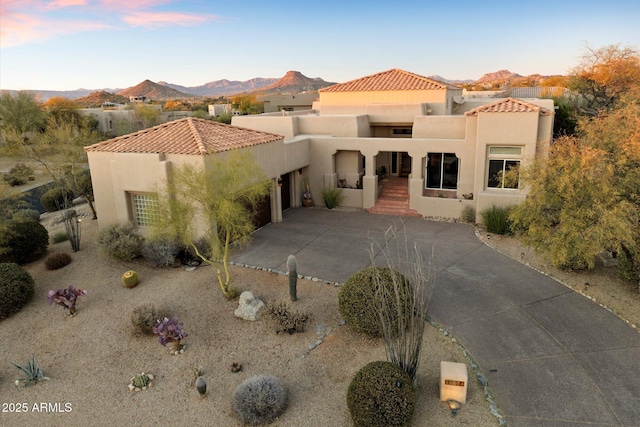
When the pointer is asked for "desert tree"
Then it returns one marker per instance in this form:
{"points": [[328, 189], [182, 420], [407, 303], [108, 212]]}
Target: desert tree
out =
{"points": [[403, 331], [604, 75], [20, 117], [220, 199], [60, 150], [584, 197]]}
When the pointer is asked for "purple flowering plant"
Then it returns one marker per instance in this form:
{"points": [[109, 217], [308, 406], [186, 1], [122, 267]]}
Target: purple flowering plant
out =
{"points": [[66, 298], [169, 331]]}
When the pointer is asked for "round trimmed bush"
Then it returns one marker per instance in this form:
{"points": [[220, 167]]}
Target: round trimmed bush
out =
{"points": [[56, 198], [57, 260], [380, 395], [130, 279], [358, 298], [23, 240], [145, 317], [260, 399], [121, 241], [16, 289]]}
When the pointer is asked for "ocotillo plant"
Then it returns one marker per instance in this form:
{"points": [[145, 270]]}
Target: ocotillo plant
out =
{"points": [[292, 266]]}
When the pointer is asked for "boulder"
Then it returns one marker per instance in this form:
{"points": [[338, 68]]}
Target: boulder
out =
{"points": [[249, 307]]}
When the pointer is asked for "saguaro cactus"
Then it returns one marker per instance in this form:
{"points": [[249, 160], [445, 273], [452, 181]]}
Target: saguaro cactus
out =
{"points": [[292, 266]]}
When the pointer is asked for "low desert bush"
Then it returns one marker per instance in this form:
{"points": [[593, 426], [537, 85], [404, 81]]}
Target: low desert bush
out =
{"points": [[359, 303], [496, 220], [160, 252], [144, 317], [285, 319], [27, 214], [468, 214], [56, 198], [380, 395], [19, 175], [59, 237], [22, 240], [121, 241], [259, 399], [16, 289], [57, 260], [66, 298], [332, 197], [626, 268]]}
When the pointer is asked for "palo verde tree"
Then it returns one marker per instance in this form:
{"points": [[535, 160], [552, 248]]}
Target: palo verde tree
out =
{"points": [[60, 149], [221, 199], [20, 117], [585, 197]]}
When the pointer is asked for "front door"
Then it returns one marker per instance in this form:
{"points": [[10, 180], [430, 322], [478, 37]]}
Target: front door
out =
{"points": [[405, 164], [285, 191]]}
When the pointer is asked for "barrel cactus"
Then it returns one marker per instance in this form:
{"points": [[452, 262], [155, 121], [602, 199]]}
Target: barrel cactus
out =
{"points": [[130, 279]]}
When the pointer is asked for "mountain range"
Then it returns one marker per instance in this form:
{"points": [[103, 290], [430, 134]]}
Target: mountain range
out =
{"points": [[291, 82]]}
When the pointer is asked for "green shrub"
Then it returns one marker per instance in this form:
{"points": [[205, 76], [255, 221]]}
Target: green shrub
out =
{"points": [[22, 240], [380, 395], [468, 214], [144, 317], [56, 198], [285, 319], [358, 299], [57, 260], [496, 220], [626, 268], [160, 252], [121, 241], [27, 214], [16, 289], [259, 399], [332, 197], [18, 175], [59, 237]]}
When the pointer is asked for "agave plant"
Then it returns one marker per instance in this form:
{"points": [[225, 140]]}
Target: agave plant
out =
{"points": [[32, 371], [66, 298], [170, 331]]}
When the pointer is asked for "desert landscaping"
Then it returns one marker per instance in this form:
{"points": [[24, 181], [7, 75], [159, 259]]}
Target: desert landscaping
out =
{"points": [[91, 357]]}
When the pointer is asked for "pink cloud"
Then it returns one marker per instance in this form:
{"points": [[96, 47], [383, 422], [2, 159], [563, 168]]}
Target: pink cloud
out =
{"points": [[126, 5], [163, 19], [58, 4], [21, 28]]}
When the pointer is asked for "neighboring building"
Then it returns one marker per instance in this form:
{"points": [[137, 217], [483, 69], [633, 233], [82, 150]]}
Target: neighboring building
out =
{"points": [[287, 102], [445, 151], [450, 152], [216, 110]]}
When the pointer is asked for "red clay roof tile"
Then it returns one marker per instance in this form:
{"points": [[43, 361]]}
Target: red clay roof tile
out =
{"points": [[186, 136], [509, 105], [394, 79]]}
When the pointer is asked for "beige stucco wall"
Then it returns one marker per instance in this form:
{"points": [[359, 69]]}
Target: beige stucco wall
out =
{"points": [[448, 127]]}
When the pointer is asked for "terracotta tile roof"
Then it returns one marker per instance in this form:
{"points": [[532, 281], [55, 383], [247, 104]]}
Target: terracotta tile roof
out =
{"points": [[509, 105], [394, 79], [186, 136]]}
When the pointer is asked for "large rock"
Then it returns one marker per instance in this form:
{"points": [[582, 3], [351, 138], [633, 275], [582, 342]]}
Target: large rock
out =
{"points": [[250, 307]]}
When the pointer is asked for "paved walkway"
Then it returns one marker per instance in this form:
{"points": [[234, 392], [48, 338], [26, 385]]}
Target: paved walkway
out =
{"points": [[552, 357]]}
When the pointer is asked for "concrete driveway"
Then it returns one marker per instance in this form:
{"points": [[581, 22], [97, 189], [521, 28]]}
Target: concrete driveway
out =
{"points": [[552, 358]]}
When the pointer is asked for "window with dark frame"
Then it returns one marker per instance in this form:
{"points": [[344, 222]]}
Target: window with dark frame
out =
{"points": [[442, 171], [504, 167]]}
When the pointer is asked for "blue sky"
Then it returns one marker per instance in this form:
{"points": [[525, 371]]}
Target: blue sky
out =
{"points": [[93, 44]]}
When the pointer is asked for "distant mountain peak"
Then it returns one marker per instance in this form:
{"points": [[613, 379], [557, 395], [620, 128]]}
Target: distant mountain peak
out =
{"points": [[294, 82], [153, 91], [497, 75]]}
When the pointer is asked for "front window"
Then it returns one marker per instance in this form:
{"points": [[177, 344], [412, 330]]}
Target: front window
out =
{"points": [[442, 171], [144, 208], [504, 167]]}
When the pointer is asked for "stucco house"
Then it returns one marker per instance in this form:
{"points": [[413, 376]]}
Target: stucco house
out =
{"points": [[438, 150], [393, 129]]}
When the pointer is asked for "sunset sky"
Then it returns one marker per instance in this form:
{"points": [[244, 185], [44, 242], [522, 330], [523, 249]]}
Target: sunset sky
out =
{"points": [[95, 44]]}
